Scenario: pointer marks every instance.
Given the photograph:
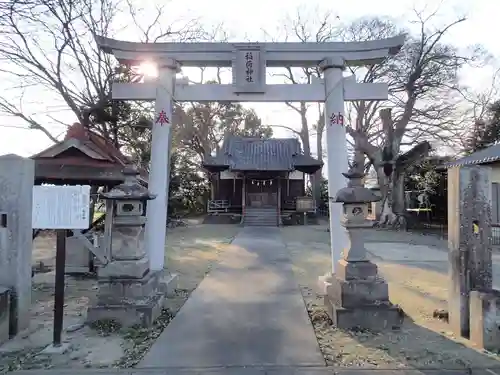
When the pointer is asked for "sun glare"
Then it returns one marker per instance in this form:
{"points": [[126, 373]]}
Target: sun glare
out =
{"points": [[149, 69]]}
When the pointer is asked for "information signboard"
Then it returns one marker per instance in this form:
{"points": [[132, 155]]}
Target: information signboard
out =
{"points": [[61, 207], [304, 204]]}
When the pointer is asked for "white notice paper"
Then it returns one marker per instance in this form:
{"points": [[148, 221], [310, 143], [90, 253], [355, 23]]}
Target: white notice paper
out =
{"points": [[61, 207]]}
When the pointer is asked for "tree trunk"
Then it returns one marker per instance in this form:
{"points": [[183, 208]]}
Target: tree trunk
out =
{"points": [[316, 187], [398, 192], [318, 176], [393, 205]]}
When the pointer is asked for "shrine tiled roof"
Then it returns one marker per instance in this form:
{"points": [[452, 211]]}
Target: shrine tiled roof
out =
{"points": [[488, 155], [87, 141], [257, 154]]}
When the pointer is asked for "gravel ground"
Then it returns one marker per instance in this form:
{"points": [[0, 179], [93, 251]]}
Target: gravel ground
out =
{"points": [[190, 253], [422, 342]]}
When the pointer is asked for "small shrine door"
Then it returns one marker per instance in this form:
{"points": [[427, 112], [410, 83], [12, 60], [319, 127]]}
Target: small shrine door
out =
{"points": [[262, 194]]}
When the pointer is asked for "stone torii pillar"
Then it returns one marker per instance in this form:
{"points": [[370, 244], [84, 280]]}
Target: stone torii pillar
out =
{"points": [[332, 69], [156, 213]]}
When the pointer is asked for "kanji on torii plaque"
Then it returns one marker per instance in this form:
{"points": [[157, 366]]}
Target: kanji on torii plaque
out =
{"points": [[162, 118]]}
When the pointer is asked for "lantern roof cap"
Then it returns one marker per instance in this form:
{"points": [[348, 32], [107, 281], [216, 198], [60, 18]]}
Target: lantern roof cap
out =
{"points": [[355, 192], [130, 189]]}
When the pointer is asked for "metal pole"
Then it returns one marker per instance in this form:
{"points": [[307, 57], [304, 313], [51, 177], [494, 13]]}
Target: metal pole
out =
{"points": [[59, 286]]}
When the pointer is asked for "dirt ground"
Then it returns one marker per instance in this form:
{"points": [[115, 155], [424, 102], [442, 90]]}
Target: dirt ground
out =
{"points": [[422, 342], [190, 252]]}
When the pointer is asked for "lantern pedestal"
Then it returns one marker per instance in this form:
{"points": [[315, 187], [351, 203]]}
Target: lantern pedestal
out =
{"points": [[128, 301], [360, 303], [116, 269], [355, 270], [129, 292], [356, 296]]}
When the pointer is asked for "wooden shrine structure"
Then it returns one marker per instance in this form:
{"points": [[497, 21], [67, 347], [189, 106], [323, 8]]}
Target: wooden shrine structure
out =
{"points": [[251, 172], [83, 158]]}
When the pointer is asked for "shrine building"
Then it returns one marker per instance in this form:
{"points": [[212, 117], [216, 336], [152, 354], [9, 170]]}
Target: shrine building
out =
{"points": [[259, 179]]}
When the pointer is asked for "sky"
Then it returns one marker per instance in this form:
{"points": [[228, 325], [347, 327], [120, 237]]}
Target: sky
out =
{"points": [[246, 21]]}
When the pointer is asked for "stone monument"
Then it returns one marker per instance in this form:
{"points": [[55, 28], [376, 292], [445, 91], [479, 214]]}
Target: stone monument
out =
{"points": [[129, 293], [356, 296], [469, 242], [17, 175]]}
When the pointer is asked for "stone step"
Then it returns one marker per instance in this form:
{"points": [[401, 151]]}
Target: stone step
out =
{"points": [[261, 224], [262, 208], [261, 221], [262, 211], [262, 216]]}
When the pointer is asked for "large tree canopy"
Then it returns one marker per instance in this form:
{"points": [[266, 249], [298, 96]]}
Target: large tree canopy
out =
{"points": [[423, 102], [424, 94], [47, 47]]}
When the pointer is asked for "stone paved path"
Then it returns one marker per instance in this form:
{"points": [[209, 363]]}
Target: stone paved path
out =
{"points": [[247, 312], [260, 371]]}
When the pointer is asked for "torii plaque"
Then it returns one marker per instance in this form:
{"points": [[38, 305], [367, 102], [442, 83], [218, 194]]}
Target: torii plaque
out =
{"points": [[249, 61]]}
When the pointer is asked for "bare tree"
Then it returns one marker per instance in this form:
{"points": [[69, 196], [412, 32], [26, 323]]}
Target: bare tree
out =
{"points": [[205, 125], [423, 103], [48, 46], [317, 30]]}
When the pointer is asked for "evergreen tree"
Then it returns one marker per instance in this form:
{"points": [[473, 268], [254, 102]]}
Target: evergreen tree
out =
{"points": [[485, 132]]}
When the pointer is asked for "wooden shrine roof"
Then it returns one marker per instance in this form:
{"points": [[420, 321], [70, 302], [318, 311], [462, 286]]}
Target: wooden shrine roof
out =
{"points": [[83, 157], [257, 154]]}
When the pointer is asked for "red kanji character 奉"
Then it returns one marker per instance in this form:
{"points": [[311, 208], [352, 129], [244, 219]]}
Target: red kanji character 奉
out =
{"points": [[162, 118]]}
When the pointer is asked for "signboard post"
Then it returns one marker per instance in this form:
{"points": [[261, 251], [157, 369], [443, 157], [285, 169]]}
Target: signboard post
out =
{"points": [[304, 205], [60, 208]]}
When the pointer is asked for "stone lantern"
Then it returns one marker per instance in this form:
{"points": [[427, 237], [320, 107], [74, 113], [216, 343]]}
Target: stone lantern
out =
{"points": [[356, 296], [128, 292], [355, 199]]}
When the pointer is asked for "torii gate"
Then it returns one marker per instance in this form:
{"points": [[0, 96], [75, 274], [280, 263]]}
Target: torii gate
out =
{"points": [[248, 62]]}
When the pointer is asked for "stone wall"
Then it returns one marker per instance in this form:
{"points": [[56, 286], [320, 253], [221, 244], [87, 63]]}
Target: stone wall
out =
{"points": [[16, 195]]}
